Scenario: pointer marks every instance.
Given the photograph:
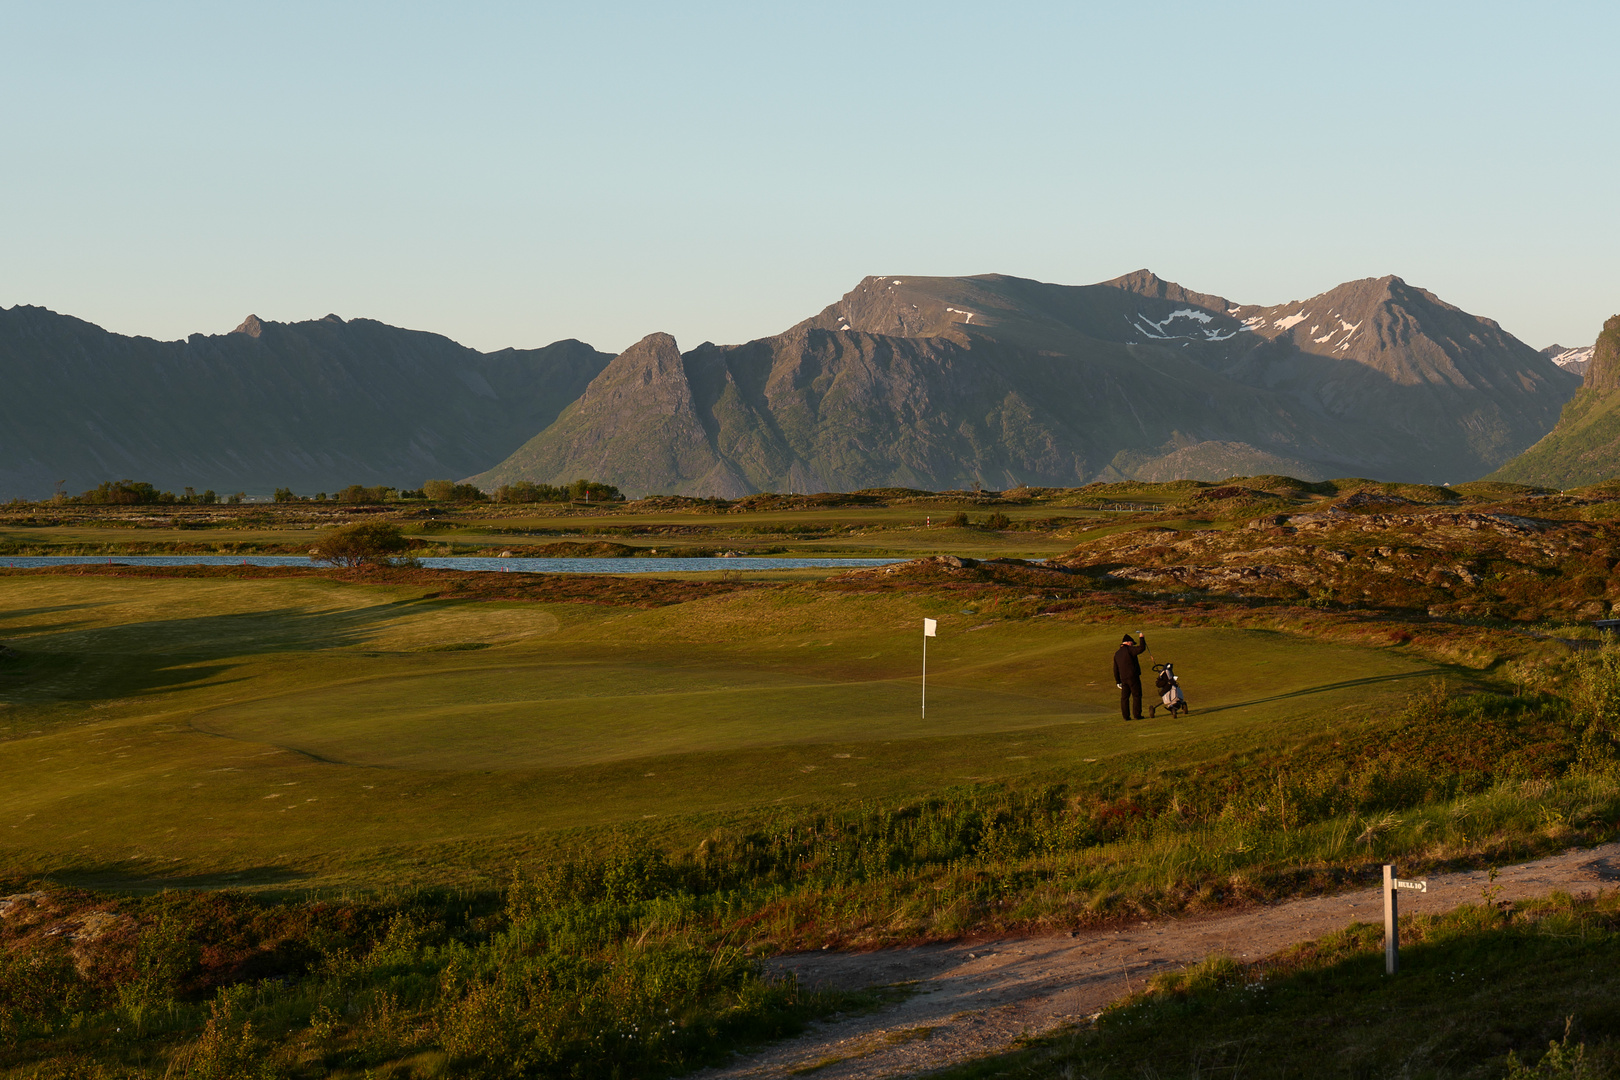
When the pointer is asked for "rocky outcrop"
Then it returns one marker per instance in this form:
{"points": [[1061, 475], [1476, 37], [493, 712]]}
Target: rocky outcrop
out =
{"points": [[1483, 563]]}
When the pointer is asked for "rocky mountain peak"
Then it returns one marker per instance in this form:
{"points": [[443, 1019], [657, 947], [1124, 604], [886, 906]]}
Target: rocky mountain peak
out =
{"points": [[650, 366], [1147, 283], [251, 326], [658, 352]]}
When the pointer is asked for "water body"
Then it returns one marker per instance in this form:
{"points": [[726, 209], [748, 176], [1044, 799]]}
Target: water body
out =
{"points": [[512, 565]]}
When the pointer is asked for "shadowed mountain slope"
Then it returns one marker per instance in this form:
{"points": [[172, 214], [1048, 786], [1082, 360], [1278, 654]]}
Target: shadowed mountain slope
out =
{"points": [[1585, 446], [310, 405], [943, 382]]}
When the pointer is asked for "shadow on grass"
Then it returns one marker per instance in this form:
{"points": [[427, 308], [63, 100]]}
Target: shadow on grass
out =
{"points": [[137, 878], [43, 680], [28, 612], [98, 663], [1325, 688]]}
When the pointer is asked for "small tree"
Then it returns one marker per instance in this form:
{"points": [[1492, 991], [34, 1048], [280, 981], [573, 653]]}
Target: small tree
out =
{"points": [[360, 544], [439, 490]]}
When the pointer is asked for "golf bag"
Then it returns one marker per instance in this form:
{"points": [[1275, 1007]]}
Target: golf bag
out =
{"points": [[1169, 688]]}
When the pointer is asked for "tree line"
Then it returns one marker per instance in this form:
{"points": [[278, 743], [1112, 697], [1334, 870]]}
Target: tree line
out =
{"points": [[140, 493], [523, 491]]}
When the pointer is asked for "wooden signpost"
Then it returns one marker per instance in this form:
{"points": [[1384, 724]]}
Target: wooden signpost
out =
{"points": [[1392, 916]]}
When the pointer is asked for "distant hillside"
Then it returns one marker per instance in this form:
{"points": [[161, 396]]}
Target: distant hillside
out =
{"points": [[311, 405], [945, 382], [1585, 446]]}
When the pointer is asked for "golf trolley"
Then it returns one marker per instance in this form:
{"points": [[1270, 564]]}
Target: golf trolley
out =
{"points": [[1169, 688]]}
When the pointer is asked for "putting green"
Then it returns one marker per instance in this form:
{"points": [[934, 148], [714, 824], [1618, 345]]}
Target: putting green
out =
{"points": [[269, 731]]}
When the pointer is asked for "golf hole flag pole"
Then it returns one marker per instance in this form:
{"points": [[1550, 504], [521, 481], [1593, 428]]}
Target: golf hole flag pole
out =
{"points": [[930, 629]]}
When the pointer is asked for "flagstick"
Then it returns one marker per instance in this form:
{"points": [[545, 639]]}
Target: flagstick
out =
{"points": [[929, 629]]}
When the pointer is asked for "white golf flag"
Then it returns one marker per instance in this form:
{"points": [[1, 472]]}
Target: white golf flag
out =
{"points": [[929, 628]]}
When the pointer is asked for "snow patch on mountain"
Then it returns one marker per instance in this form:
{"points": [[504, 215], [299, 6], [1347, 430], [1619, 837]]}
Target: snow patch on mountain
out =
{"points": [[1570, 359], [1162, 329]]}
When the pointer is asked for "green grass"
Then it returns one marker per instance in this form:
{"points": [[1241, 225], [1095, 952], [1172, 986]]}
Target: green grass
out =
{"points": [[315, 732], [376, 765]]}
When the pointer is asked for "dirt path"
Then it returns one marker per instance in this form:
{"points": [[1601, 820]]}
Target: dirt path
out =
{"points": [[978, 998]]}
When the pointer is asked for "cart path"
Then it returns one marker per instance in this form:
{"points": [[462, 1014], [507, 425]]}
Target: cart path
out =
{"points": [[978, 998]]}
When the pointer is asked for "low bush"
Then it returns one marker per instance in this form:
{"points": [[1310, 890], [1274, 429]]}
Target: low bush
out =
{"points": [[360, 544]]}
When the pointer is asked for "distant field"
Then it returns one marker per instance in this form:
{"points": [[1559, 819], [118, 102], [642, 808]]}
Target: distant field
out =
{"points": [[308, 731], [1035, 528]]}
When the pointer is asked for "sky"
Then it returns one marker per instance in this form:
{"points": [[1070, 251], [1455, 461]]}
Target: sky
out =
{"points": [[514, 174]]}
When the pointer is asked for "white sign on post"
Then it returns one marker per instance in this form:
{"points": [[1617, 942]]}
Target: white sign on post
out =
{"points": [[1392, 916], [930, 629]]}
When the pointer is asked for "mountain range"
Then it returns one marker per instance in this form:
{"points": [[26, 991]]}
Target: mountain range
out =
{"points": [[947, 382], [932, 382], [311, 405], [1584, 447]]}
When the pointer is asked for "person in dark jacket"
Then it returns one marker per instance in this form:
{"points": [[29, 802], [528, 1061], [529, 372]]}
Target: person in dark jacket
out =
{"points": [[1128, 675]]}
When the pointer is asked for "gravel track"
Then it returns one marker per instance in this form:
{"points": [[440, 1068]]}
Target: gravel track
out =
{"points": [[979, 997]]}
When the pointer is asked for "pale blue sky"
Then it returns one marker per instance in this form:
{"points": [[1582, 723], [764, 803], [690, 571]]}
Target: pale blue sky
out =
{"points": [[511, 174]]}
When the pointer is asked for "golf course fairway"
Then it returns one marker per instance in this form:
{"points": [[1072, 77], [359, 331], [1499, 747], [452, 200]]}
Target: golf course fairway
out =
{"points": [[314, 732]]}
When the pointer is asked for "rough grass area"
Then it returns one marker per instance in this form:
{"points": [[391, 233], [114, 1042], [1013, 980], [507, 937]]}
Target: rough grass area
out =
{"points": [[1521, 991], [1026, 522], [547, 980]]}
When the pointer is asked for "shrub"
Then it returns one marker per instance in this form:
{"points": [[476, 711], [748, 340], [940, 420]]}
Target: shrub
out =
{"points": [[359, 544], [450, 491], [125, 493], [1595, 706], [357, 493]]}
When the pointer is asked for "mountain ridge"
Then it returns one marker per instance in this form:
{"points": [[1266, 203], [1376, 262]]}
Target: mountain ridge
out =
{"points": [[994, 379], [313, 405]]}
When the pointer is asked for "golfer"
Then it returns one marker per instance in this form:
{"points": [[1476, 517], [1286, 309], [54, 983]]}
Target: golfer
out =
{"points": [[1128, 675]]}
